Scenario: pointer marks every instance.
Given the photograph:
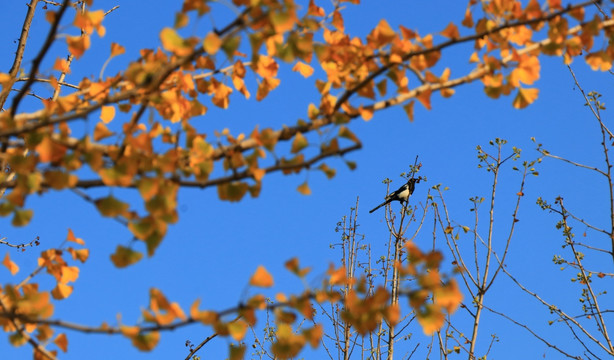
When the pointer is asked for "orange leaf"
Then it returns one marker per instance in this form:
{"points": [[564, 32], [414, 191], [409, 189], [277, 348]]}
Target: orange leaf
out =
{"points": [[61, 65], [71, 237], [205, 317], [527, 71], [77, 45], [425, 99], [303, 69], [261, 278], [117, 49], [101, 132], [61, 291], [13, 268], [451, 31], [304, 189], [431, 319], [525, 97], [62, 342], [50, 151], [409, 110], [448, 296]]}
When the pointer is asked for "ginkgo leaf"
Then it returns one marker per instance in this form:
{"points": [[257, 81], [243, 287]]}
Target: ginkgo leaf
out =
{"points": [[237, 329], [77, 45], [431, 318], [110, 206], [425, 99], [171, 41], [206, 317], [451, 31], [124, 256], [261, 278], [107, 113], [525, 97], [117, 49], [409, 110], [61, 291], [212, 43], [58, 179], [299, 143], [146, 341], [62, 65], [72, 238], [61, 341], [101, 132], [22, 217], [448, 296], [303, 69], [304, 189], [9, 264]]}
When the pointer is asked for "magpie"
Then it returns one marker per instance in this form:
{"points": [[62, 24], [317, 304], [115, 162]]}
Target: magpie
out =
{"points": [[401, 195]]}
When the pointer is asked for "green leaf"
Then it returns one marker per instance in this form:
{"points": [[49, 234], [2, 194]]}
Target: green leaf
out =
{"points": [[111, 206], [22, 217], [125, 256]]}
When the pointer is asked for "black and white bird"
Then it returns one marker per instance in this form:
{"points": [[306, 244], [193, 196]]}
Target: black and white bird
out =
{"points": [[401, 195]]}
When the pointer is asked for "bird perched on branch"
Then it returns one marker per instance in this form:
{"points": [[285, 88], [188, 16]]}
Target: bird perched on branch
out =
{"points": [[401, 195]]}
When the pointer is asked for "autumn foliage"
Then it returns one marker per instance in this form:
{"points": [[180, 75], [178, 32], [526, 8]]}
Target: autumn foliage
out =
{"points": [[42, 150]]}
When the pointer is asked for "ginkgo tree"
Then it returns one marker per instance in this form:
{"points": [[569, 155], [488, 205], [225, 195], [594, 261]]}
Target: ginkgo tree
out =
{"points": [[154, 156]]}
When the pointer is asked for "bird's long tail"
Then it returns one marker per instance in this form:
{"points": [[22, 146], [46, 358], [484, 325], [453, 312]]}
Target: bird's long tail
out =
{"points": [[379, 206]]}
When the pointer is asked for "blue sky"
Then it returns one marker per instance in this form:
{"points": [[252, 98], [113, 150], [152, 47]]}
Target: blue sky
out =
{"points": [[211, 253]]}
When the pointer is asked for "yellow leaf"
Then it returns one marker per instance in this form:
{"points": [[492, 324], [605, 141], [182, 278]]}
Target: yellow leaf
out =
{"points": [[448, 296], [431, 319], [527, 71], [237, 329], [304, 189], [261, 278], [13, 268], [599, 61], [107, 113], [61, 291], [171, 41], [71, 237], [525, 97], [212, 43], [299, 143], [101, 132], [303, 69]]}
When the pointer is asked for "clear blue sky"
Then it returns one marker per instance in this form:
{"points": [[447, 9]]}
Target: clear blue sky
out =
{"points": [[213, 250]]}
